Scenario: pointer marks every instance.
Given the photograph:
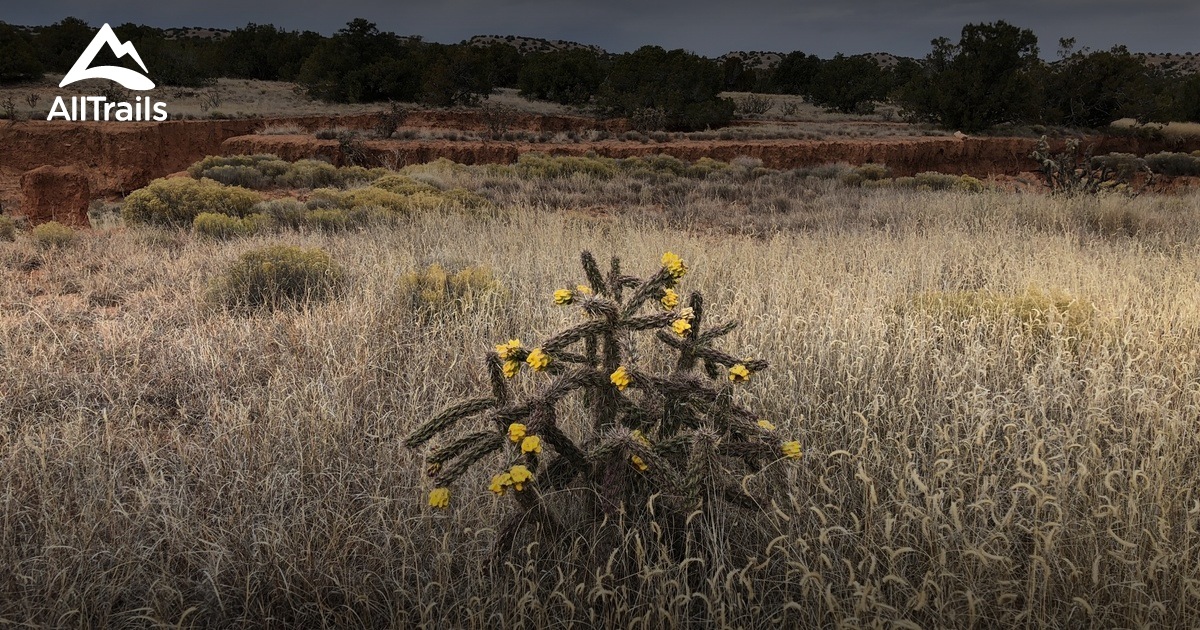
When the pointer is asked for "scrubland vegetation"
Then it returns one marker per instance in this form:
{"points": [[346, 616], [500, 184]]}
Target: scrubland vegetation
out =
{"points": [[994, 399]]}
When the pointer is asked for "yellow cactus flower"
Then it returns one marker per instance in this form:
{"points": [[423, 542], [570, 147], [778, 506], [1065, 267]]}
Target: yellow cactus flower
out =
{"points": [[538, 360], [583, 289], [500, 483], [687, 313], [563, 296], [621, 378], [505, 350], [766, 424], [739, 373], [439, 497], [670, 299], [674, 265], [681, 327], [510, 368], [516, 431], [640, 437], [791, 450], [520, 476], [531, 444], [637, 461]]}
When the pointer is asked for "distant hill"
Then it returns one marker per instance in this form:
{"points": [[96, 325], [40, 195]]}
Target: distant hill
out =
{"points": [[1172, 63], [763, 60], [530, 45], [196, 32], [754, 59]]}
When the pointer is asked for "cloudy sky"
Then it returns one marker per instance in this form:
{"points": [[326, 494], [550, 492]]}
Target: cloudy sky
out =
{"points": [[708, 27]]}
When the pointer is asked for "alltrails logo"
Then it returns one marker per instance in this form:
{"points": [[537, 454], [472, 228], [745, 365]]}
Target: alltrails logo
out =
{"points": [[142, 109]]}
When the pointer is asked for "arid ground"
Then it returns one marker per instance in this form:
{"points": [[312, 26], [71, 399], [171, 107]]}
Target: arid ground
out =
{"points": [[995, 389]]}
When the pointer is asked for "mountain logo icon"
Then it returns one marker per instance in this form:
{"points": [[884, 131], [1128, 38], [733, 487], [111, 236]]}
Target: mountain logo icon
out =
{"points": [[126, 77]]}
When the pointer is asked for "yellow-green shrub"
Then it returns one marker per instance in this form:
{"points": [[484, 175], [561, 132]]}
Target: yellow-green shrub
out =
{"points": [[463, 198], [283, 213], [371, 197], [539, 166], [52, 234], [327, 219], [276, 276], [705, 166], [177, 201], [435, 288], [941, 181], [402, 185], [438, 169]]}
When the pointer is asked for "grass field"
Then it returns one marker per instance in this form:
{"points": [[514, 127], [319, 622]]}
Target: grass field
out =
{"points": [[997, 395]]}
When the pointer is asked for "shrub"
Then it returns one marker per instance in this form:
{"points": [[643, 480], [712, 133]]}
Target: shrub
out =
{"points": [[277, 276], [284, 213], [245, 176], [680, 436], [931, 180], [704, 167], [265, 164], [309, 174], [465, 199], [753, 105], [223, 226], [327, 220], [1173, 164], [402, 185], [1120, 167], [371, 197], [873, 172], [539, 166], [177, 201], [267, 171], [8, 228], [436, 289], [52, 234]]}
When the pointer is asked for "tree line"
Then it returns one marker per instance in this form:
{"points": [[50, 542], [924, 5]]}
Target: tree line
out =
{"points": [[992, 76]]}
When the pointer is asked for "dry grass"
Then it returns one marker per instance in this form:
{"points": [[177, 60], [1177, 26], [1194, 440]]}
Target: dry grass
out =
{"points": [[1170, 130], [165, 463]]}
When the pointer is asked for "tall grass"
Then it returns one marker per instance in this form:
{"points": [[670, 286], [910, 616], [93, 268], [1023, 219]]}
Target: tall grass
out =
{"points": [[165, 462]]}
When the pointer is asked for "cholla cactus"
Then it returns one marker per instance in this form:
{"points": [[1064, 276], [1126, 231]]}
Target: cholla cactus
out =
{"points": [[680, 434]]}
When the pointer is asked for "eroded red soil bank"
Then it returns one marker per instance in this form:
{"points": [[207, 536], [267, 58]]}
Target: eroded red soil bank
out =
{"points": [[118, 158]]}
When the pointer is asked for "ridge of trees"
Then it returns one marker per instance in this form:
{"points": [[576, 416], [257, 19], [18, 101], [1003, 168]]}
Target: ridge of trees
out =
{"points": [[992, 75]]}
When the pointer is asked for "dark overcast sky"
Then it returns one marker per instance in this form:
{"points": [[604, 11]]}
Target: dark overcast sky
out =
{"points": [[708, 27]]}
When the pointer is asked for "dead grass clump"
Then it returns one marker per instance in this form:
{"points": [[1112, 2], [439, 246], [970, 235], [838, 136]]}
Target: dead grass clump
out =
{"points": [[8, 228], [222, 226], [1041, 313]]}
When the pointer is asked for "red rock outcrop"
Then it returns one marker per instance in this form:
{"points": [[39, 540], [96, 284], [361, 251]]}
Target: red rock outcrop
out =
{"points": [[56, 193]]}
